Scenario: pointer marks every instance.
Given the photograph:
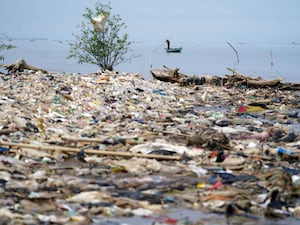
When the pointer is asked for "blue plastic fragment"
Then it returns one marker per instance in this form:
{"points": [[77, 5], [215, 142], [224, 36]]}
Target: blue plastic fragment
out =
{"points": [[3, 149], [291, 171], [169, 199], [285, 151], [81, 154], [161, 92]]}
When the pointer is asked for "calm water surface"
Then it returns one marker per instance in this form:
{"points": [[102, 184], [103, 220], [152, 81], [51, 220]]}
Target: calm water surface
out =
{"points": [[195, 59]]}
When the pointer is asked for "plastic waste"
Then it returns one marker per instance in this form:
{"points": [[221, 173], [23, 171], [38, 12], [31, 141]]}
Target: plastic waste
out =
{"points": [[242, 109], [99, 21], [281, 150], [216, 185], [142, 212], [149, 147], [198, 170], [77, 117], [161, 92], [3, 149], [201, 185], [90, 197]]}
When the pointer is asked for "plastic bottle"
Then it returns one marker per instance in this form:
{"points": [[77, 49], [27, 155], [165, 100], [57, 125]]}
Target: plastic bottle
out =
{"points": [[281, 150]]}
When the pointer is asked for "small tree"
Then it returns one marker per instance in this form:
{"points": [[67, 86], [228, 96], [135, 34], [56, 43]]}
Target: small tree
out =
{"points": [[4, 46], [105, 49]]}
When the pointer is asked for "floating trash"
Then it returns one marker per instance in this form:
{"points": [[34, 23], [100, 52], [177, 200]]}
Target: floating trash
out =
{"points": [[113, 146]]}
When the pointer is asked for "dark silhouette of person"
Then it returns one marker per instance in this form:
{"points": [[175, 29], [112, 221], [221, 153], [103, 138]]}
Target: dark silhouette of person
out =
{"points": [[168, 44]]}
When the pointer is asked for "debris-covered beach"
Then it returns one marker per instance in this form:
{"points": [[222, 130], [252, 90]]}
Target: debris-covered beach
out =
{"points": [[96, 148]]}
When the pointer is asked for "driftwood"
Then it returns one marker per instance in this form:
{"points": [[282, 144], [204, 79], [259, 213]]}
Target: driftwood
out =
{"points": [[174, 76], [20, 66], [168, 75], [238, 78], [290, 86], [88, 151]]}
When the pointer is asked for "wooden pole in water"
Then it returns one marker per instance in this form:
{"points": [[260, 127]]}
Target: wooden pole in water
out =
{"points": [[271, 55], [236, 52], [150, 53]]}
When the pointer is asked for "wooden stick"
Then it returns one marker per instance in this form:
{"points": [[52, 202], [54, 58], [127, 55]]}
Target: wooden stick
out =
{"points": [[236, 52], [81, 139], [271, 55], [236, 73], [89, 151]]}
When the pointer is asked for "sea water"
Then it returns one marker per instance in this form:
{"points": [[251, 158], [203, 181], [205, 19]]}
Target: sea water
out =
{"points": [[268, 61]]}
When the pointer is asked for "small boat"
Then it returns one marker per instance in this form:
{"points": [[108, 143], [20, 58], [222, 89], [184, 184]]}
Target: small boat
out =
{"points": [[175, 50], [172, 50]]}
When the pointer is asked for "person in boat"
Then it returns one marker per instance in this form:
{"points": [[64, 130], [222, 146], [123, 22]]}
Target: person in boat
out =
{"points": [[168, 44]]}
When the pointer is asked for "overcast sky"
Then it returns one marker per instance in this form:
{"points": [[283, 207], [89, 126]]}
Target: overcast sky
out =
{"points": [[271, 21]]}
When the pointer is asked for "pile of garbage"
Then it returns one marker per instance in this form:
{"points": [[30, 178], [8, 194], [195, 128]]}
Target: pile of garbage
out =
{"points": [[80, 149]]}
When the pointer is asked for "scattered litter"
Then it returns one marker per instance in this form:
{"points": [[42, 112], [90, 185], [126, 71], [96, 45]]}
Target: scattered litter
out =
{"points": [[80, 148]]}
